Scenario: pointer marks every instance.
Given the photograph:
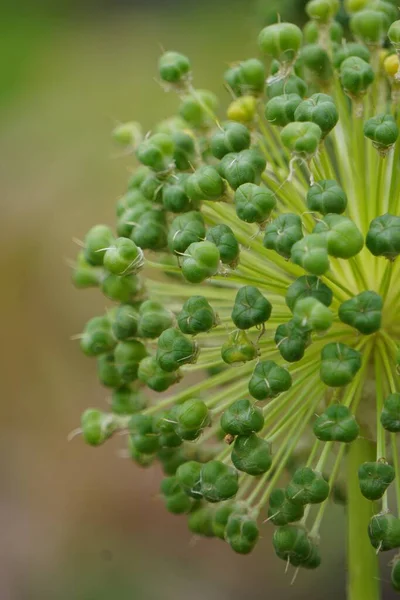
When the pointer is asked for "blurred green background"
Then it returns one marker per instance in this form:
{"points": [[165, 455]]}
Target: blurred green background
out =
{"points": [[78, 523]]}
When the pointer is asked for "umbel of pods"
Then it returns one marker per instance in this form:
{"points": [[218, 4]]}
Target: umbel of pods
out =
{"points": [[269, 243]]}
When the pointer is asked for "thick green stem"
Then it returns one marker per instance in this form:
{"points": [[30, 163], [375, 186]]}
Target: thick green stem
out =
{"points": [[362, 561]]}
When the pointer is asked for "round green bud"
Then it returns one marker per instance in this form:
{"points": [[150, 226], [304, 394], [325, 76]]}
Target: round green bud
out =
{"points": [[394, 33], [124, 322], [185, 150], [311, 253], [123, 257], [341, 234], [355, 5], [291, 341], [150, 373], [192, 417], [246, 78], [282, 233], [301, 138], [384, 532], [150, 232], [308, 286], [137, 177], [317, 61], [339, 364], [143, 460], [224, 238], [280, 110], [205, 184], [185, 230], [311, 32], [242, 418], [196, 316], [128, 355], [176, 501], [96, 242], [292, 544], [321, 110], [326, 196], [242, 110], [174, 350], [382, 130], [281, 41], [189, 476], [254, 203], [363, 312], [374, 478], [251, 308], [170, 458], [349, 49], [125, 401], [129, 216], [307, 487], [251, 454], [356, 76], [242, 167], [383, 237], [174, 67], [310, 313], [96, 426], [165, 425], [218, 481], [201, 261], [336, 424], [174, 196], [121, 289], [200, 521], [370, 26], [395, 575], [107, 371], [232, 137], [241, 532], [269, 380], [84, 275], [151, 188], [238, 348], [127, 134], [153, 319], [322, 11], [220, 519], [292, 85], [281, 511], [157, 152], [196, 107], [97, 337], [390, 416]]}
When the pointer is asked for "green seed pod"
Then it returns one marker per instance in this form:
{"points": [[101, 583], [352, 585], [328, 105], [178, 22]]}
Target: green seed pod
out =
{"points": [[317, 61], [370, 26], [127, 134], [310, 313], [97, 337], [220, 518], [280, 110], [143, 460], [238, 348], [336, 424], [201, 261], [355, 5], [307, 487], [196, 316], [242, 167], [218, 481], [383, 237], [384, 532], [195, 108], [121, 289], [107, 371], [311, 32], [174, 196], [97, 240], [200, 521], [395, 575], [170, 458], [343, 238], [281, 511], [319, 109], [150, 232], [192, 417], [241, 532], [224, 238], [246, 78], [339, 364], [129, 218], [185, 150], [84, 275], [269, 380], [137, 177], [254, 203], [383, 132], [308, 286], [123, 257], [176, 501], [128, 355], [375, 478], [283, 233], [356, 76], [126, 401], [205, 184], [394, 34], [232, 137], [311, 253], [301, 138], [251, 308], [326, 196], [292, 85], [165, 424], [242, 418], [124, 322], [151, 188], [350, 49], [281, 41], [322, 11], [150, 373], [390, 416], [96, 426], [157, 152], [153, 319], [291, 341], [251, 454], [363, 312], [174, 67], [189, 477], [132, 199], [174, 350], [292, 544], [185, 230]]}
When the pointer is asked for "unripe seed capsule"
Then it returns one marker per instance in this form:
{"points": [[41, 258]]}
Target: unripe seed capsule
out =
{"points": [[242, 418], [339, 364], [336, 424], [269, 380], [375, 478]]}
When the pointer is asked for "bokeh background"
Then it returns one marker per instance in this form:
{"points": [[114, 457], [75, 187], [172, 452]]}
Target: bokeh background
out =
{"points": [[78, 523]]}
